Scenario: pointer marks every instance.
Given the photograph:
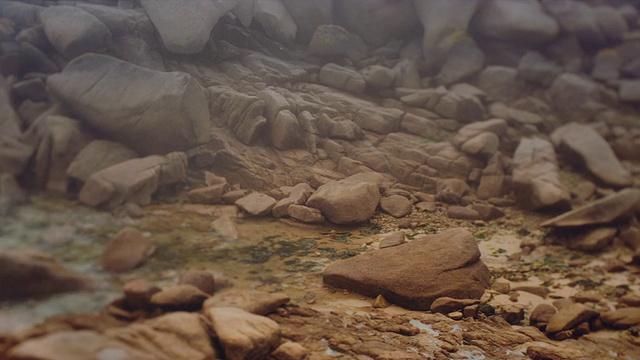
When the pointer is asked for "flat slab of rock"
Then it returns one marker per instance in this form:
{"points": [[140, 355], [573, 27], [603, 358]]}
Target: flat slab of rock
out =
{"points": [[601, 211], [590, 148], [256, 204], [129, 103], [621, 318], [569, 317], [414, 275], [253, 301]]}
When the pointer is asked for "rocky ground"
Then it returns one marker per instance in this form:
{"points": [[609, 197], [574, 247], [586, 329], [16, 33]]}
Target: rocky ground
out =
{"points": [[486, 154]]}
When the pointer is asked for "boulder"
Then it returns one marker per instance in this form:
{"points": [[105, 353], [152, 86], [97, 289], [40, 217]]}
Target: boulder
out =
{"points": [[133, 180], [451, 191], [340, 77], [441, 19], [396, 205], [621, 318], [30, 273], [534, 67], [184, 29], [463, 213], [201, 279], [309, 15], [243, 335], [276, 20], [364, 17], [286, 133], [541, 315], [569, 317], [449, 266], [515, 21], [586, 146], [305, 214], [96, 156], [602, 211], [536, 177], [128, 249], [346, 201], [58, 140], [10, 122], [127, 103], [593, 240], [256, 204], [611, 22], [290, 350], [298, 195], [579, 19], [211, 194], [377, 77], [334, 41], [494, 182], [73, 31], [629, 90], [502, 83], [462, 60]]}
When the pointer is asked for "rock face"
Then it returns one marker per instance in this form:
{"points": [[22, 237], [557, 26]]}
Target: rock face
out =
{"points": [[536, 179], [131, 104], [415, 274], [346, 201], [32, 273], [586, 146]]}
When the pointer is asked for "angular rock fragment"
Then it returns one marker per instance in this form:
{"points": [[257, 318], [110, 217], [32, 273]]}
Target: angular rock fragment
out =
{"points": [[256, 204], [128, 249], [346, 201]]}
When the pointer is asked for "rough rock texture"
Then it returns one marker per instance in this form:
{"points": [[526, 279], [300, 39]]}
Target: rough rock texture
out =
{"points": [[449, 265], [28, 273], [129, 103], [536, 181], [346, 201], [98, 155]]}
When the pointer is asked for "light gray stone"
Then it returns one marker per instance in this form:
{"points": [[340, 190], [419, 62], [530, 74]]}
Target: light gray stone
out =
{"points": [[340, 77]]}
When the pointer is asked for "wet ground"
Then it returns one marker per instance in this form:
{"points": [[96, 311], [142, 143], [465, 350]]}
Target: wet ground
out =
{"points": [[281, 255]]}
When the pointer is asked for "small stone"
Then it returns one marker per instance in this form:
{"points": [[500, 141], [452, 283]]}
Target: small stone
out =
{"points": [[455, 315], [253, 301], [290, 351], [488, 212], [396, 205], [462, 213], [230, 197], [180, 297], [128, 249], [256, 204], [470, 311], [445, 305], [621, 318], [541, 315], [501, 285], [211, 194], [203, 280], [535, 290], [138, 294], [426, 206], [513, 297], [305, 214], [587, 298], [513, 314], [569, 317], [594, 240], [393, 239], [380, 302]]}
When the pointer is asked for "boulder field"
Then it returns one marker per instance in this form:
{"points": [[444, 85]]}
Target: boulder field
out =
{"points": [[313, 112]]}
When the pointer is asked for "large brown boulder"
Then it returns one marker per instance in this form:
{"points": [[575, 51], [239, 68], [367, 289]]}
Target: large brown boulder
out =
{"points": [[415, 274]]}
